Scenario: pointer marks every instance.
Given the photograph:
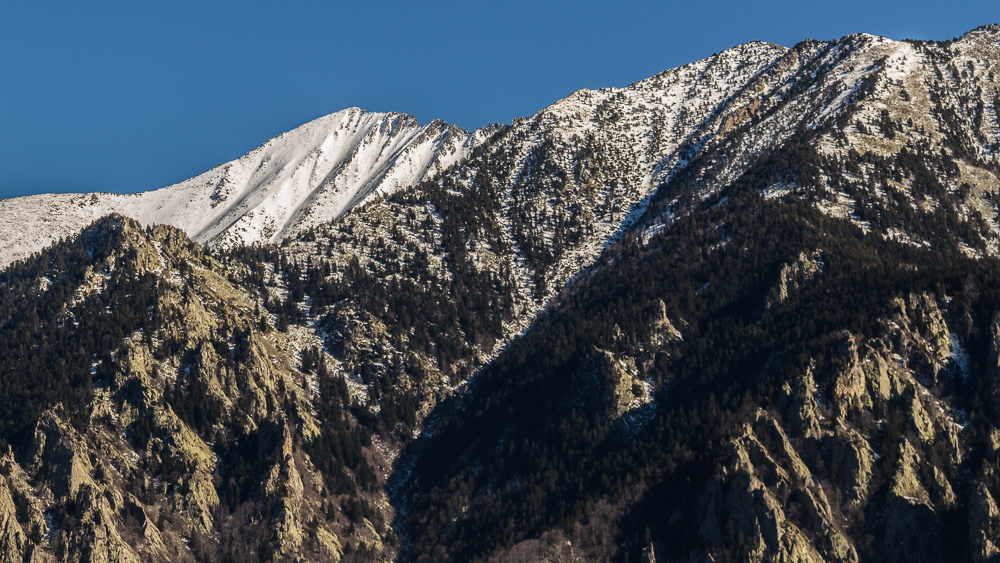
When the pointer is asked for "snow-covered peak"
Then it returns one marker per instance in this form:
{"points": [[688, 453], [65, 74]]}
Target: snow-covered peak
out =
{"points": [[309, 175], [306, 176]]}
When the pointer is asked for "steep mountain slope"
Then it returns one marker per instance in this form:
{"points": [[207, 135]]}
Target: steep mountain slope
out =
{"points": [[504, 231], [499, 234], [756, 382], [820, 395], [908, 143]]}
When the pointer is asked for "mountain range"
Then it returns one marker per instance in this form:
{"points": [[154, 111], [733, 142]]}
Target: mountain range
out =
{"points": [[745, 309]]}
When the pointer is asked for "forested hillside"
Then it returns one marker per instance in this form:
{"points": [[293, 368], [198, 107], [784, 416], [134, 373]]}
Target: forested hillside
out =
{"points": [[153, 412], [807, 380]]}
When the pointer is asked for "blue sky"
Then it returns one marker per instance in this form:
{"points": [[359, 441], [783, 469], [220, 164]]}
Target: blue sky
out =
{"points": [[130, 96]]}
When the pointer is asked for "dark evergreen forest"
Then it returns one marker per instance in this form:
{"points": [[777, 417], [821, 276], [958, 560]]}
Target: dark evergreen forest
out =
{"points": [[520, 455]]}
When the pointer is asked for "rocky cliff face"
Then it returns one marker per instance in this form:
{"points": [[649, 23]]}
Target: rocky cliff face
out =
{"points": [[194, 441], [904, 478]]}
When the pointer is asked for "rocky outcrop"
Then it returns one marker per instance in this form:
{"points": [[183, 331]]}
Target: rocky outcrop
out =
{"points": [[993, 367], [29, 507], [944, 495], [133, 364], [921, 419], [916, 329], [798, 404], [60, 453], [166, 438], [283, 487], [175, 244], [371, 540], [852, 463], [851, 388], [329, 545], [865, 376], [151, 535], [913, 530], [794, 276], [13, 541], [256, 377], [752, 491], [876, 370], [934, 342], [893, 374], [86, 512], [738, 496], [613, 383], [94, 537], [739, 116], [127, 238], [984, 525], [216, 376], [993, 444], [196, 322], [175, 445], [648, 554], [661, 330]]}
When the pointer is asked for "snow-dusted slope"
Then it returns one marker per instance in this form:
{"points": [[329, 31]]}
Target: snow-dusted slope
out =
{"points": [[878, 106], [306, 176], [587, 160], [540, 200]]}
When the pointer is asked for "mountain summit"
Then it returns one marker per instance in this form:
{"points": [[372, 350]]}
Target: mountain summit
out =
{"points": [[306, 176]]}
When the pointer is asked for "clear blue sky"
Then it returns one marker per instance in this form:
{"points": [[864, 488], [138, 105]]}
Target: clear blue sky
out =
{"points": [[129, 96]]}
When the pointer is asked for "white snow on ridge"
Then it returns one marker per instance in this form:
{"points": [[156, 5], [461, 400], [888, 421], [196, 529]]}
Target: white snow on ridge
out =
{"points": [[320, 170], [299, 179], [30, 223]]}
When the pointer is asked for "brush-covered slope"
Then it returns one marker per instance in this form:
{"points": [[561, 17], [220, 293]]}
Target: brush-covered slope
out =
{"points": [[415, 291], [743, 378]]}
